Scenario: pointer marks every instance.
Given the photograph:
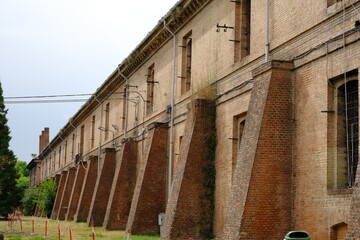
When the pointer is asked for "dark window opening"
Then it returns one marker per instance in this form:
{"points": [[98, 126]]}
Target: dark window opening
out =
{"points": [[186, 63], [107, 120], [242, 29], [348, 108], [82, 132], [150, 89]]}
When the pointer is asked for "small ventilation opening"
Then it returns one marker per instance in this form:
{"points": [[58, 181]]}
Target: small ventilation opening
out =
{"points": [[357, 23]]}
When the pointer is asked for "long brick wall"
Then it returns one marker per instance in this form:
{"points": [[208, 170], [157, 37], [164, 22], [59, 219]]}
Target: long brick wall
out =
{"points": [[260, 201], [149, 197], [122, 190], [102, 188], [59, 194], [76, 190], [188, 212], [87, 190]]}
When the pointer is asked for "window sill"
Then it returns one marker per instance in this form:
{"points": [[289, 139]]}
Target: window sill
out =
{"points": [[340, 191]]}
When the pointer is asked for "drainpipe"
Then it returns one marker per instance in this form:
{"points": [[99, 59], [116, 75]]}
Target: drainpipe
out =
{"points": [[267, 41], [126, 101], [171, 137]]}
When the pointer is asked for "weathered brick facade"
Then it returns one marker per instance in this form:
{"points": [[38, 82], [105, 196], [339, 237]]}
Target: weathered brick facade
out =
{"points": [[280, 155], [87, 190], [122, 190], [76, 190], [149, 196], [102, 188]]}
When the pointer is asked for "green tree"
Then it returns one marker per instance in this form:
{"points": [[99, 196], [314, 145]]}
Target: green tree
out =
{"points": [[21, 168], [9, 196]]}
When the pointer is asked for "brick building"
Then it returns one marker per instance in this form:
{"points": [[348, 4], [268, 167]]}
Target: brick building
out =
{"points": [[264, 93]]}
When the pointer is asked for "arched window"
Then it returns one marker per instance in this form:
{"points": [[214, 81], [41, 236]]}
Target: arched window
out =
{"points": [[338, 231]]}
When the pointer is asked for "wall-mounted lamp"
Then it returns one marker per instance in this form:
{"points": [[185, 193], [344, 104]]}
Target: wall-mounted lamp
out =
{"points": [[105, 129]]}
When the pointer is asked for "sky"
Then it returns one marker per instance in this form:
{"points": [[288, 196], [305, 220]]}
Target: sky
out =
{"points": [[52, 47]]}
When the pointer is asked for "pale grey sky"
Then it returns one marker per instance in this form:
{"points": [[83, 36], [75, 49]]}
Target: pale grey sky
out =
{"points": [[64, 47]]}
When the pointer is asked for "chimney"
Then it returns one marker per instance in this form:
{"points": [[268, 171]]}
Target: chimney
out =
{"points": [[40, 143], [46, 137], [43, 139]]}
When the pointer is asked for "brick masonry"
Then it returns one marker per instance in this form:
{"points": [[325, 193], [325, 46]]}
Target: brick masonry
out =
{"points": [[122, 190], [188, 212], [260, 201], [76, 190], [59, 194], [87, 190], [69, 183], [149, 197], [102, 188], [353, 232], [57, 179]]}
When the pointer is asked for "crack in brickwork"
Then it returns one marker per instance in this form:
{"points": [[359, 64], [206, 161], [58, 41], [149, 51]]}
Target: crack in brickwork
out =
{"points": [[149, 197], [260, 200], [122, 190]]}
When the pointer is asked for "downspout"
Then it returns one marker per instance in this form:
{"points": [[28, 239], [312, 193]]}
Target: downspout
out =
{"points": [[126, 101], [171, 137], [267, 41]]}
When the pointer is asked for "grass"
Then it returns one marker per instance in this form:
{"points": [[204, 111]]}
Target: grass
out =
{"points": [[80, 231]]}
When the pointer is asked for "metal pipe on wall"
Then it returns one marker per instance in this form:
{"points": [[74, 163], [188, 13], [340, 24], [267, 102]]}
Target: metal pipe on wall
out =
{"points": [[267, 41], [171, 137]]}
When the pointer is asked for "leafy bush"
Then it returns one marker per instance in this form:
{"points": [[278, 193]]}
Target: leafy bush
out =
{"points": [[45, 199], [29, 200]]}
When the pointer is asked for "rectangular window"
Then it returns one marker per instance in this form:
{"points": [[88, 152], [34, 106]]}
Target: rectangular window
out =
{"points": [[92, 139], [343, 131], [124, 108], [65, 153], [73, 146], [238, 129], [60, 161], [186, 63], [150, 89], [107, 120], [242, 29], [82, 132], [54, 162]]}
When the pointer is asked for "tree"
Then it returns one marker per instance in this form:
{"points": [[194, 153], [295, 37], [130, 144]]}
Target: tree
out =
{"points": [[46, 197], [21, 168], [9, 197]]}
